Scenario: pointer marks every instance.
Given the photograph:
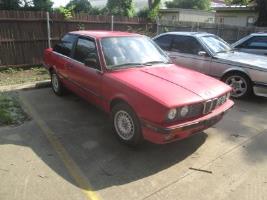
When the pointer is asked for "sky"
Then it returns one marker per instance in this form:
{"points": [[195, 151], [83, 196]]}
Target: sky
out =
{"points": [[97, 3]]}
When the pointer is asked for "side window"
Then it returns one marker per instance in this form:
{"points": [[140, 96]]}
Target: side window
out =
{"points": [[65, 45], [164, 42], [85, 52], [256, 42], [186, 44]]}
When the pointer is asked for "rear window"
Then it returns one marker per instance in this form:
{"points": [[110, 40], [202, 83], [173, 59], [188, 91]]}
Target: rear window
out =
{"points": [[65, 45]]}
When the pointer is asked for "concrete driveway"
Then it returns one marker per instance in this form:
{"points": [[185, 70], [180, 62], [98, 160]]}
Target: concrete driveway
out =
{"points": [[68, 151]]}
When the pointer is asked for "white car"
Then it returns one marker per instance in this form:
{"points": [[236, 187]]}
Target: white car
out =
{"points": [[255, 43], [211, 55]]}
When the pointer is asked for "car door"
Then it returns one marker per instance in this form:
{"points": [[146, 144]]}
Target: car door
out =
{"points": [[85, 71], [255, 45], [62, 51], [186, 51]]}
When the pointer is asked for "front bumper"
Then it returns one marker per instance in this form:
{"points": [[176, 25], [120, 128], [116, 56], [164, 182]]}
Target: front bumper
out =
{"points": [[159, 134]]}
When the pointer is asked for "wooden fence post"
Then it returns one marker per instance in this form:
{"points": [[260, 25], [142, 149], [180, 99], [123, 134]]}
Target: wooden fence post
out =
{"points": [[112, 22], [48, 29]]}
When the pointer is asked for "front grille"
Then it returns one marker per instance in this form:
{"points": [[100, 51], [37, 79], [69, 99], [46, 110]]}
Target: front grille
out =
{"points": [[211, 104]]}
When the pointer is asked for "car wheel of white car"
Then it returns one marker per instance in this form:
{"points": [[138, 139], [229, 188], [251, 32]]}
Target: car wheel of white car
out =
{"points": [[56, 84], [126, 124], [240, 83]]}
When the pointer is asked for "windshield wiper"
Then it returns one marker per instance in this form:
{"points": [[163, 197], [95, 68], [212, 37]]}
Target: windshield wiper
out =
{"points": [[155, 62], [126, 65]]}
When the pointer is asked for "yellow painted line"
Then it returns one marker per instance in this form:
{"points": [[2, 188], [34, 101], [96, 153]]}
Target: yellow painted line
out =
{"points": [[73, 169]]}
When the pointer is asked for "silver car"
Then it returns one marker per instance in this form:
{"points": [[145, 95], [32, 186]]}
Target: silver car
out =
{"points": [[255, 43], [209, 54]]}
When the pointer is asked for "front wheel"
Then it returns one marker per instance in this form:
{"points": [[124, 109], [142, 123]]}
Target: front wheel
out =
{"points": [[240, 83], [126, 124]]}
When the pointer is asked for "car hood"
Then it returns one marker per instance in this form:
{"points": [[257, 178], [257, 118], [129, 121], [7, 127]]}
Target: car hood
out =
{"points": [[172, 85], [244, 59]]}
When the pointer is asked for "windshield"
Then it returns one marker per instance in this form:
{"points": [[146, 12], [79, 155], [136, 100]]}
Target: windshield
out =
{"points": [[131, 51], [216, 44]]}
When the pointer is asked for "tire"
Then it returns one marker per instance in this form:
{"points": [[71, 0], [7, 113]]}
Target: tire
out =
{"points": [[56, 84], [240, 83], [126, 125]]}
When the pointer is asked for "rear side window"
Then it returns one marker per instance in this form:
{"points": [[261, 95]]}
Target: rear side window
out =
{"points": [[164, 42], [256, 42], [186, 44], [65, 45]]}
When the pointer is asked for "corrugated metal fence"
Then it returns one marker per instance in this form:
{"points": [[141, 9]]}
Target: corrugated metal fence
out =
{"points": [[23, 34]]}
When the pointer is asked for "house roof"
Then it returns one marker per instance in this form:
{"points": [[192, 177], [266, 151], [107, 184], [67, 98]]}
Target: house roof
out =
{"points": [[172, 10]]}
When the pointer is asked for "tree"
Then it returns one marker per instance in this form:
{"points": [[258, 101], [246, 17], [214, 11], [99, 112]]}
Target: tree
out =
{"points": [[121, 7], [44, 5], [153, 9], [78, 6], [9, 5], [262, 8], [189, 4]]}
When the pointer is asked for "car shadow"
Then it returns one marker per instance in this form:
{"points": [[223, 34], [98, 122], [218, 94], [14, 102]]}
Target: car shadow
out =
{"points": [[86, 134]]}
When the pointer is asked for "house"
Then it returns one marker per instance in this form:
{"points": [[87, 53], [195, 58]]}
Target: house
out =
{"points": [[186, 15], [236, 15]]}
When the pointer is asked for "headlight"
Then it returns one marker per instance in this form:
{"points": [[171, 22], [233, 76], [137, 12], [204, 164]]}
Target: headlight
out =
{"points": [[184, 111], [172, 114]]}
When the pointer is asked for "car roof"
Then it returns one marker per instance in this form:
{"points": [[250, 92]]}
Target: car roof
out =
{"points": [[259, 34], [102, 34], [196, 34]]}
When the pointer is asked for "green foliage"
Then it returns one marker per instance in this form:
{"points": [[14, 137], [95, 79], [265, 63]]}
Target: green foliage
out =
{"points": [[189, 4], [67, 13], [9, 5], [120, 8], [96, 11], [45, 5], [78, 6], [10, 110], [143, 13], [153, 13]]}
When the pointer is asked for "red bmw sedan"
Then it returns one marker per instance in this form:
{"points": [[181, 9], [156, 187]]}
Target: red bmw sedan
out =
{"points": [[130, 77]]}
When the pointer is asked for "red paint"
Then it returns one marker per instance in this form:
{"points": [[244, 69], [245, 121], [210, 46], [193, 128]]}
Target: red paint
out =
{"points": [[151, 91]]}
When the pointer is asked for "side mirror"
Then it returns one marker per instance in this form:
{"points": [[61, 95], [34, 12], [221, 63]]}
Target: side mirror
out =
{"points": [[202, 53], [91, 62]]}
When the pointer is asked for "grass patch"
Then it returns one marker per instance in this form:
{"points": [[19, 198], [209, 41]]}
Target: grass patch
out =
{"points": [[11, 112], [12, 76]]}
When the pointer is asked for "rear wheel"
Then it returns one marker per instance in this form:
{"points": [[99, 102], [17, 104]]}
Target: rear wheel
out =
{"points": [[240, 83], [126, 124], [56, 84]]}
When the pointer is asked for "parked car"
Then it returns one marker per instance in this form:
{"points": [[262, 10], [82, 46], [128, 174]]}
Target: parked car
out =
{"points": [[255, 43], [209, 54], [130, 77]]}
